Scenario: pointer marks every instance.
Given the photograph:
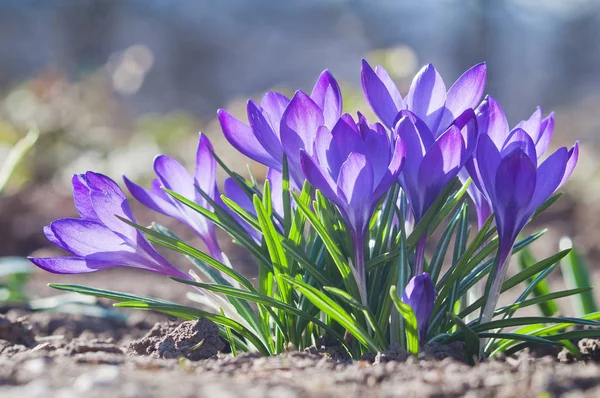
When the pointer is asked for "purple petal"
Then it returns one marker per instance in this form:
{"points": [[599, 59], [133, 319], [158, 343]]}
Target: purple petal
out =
{"points": [[465, 93], [487, 161], [394, 168], [174, 176], [546, 132], [346, 139], [427, 96], [241, 137], [151, 199], [326, 154], [519, 138], [492, 121], [532, 125], [549, 176], [51, 237], [81, 197], [299, 125], [377, 149], [264, 132], [109, 201], [205, 174], [419, 294], [440, 165], [415, 151], [318, 178], [378, 95], [273, 105], [571, 163], [515, 184], [355, 183], [70, 265], [328, 96], [391, 87], [83, 237]]}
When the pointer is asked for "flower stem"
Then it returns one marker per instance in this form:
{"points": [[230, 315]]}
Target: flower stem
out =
{"points": [[359, 265], [420, 254]]}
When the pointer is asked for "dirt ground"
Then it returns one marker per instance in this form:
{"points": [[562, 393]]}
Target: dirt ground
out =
{"points": [[57, 355]]}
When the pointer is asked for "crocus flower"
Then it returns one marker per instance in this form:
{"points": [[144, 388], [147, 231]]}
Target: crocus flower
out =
{"points": [[419, 294], [427, 97], [99, 240], [279, 125], [432, 163], [353, 166], [516, 185], [172, 175], [492, 121]]}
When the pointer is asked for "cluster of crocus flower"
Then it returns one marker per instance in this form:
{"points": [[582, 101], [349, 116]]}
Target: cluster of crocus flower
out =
{"points": [[424, 142]]}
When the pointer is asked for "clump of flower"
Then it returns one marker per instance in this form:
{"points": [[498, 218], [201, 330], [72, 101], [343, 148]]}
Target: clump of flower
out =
{"points": [[339, 230]]}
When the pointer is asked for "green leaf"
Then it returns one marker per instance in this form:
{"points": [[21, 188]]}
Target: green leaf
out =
{"points": [[519, 321], [547, 307], [335, 311], [472, 341], [186, 249], [540, 299], [411, 326], [576, 275], [518, 278]]}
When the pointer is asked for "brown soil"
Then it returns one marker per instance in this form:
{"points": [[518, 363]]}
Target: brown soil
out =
{"points": [[101, 358]]}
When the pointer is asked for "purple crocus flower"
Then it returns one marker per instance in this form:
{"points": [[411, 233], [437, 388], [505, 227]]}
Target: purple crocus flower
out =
{"points": [[427, 97], [432, 163], [492, 121], [516, 185], [279, 125], [172, 175], [99, 240], [353, 166], [419, 294]]}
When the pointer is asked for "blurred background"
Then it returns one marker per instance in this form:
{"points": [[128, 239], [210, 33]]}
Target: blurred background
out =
{"points": [[110, 84]]}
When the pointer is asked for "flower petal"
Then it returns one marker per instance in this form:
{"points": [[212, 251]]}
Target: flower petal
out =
{"points": [[82, 199], [391, 87], [519, 138], [318, 178], [273, 105], [264, 132], [241, 137], [355, 183], [84, 237], [571, 163], [532, 125], [427, 96], [151, 200], [487, 160], [546, 132], [276, 180], [549, 176], [492, 121], [299, 125], [70, 265], [465, 93], [378, 95], [328, 96], [205, 174]]}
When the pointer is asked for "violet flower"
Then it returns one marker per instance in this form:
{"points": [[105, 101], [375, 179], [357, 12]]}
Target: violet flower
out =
{"points": [[419, 294], [99, 240], [353, 166], [516, 185], [492, 121], [172, 175], [432, 163], [427, 97], [279, 125]]}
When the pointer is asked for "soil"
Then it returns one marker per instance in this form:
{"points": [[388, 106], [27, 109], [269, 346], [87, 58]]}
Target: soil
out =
{"points": [[101, 359]]}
